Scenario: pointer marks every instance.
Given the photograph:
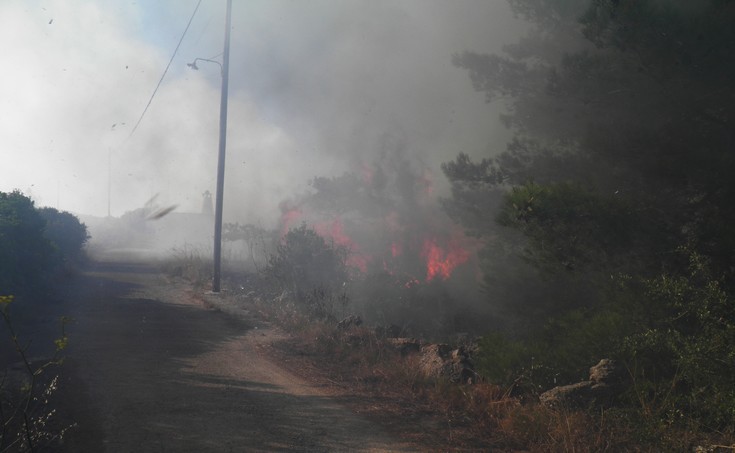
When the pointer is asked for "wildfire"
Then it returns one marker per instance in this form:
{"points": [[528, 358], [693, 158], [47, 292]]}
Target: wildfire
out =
{"points": [[396, 229], [396, 249], [289, 217], [440, 261], [367, 173], [334, 230], [440, 257]]}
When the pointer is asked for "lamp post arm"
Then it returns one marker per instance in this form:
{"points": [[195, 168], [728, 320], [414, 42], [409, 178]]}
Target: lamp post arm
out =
{"points": [[193, 64]]}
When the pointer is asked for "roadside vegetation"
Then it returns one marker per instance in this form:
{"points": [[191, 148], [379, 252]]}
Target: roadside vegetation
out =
{"points": [[606, 233], [498, 408], [38, 247], [616, 192]]}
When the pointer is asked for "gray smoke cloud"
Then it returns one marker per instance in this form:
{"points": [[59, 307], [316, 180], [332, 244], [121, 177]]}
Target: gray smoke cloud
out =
{"points": [[317, 88]]}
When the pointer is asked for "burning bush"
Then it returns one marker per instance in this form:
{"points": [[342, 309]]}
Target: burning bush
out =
{"points": [[408, 263]]}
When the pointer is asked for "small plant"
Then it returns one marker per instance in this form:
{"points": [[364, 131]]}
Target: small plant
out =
{"points": [[25, 411]]}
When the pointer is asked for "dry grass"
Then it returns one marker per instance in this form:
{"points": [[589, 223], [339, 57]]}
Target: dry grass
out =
{"points": [[368, 374], [378, 381], [190, 264]]}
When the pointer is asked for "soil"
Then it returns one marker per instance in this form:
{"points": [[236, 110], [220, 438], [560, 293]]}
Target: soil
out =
{"points": [[153, 366]]}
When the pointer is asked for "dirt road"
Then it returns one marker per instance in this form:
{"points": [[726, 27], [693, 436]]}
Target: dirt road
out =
{"points": [[152, 369]]}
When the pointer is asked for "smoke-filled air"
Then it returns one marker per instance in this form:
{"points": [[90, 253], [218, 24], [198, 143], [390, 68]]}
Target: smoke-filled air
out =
{"points": [[513, 215], [316, 89]]}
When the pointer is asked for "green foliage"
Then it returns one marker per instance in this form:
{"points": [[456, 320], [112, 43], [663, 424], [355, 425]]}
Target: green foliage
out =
{"points": [[26, 256], [26, 417], [567, 224], [573, 341], [685, 357], [475, 193], [66, 232], [502, 360], [561, 351], [676, 336], [34, 242], [623, 114], [312, 269]]}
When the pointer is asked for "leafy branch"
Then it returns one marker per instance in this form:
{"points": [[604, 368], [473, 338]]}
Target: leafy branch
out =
{"points": [[23, 414]]}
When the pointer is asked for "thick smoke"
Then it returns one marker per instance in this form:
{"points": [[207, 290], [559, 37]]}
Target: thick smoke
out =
{"points": [[317, 88]]}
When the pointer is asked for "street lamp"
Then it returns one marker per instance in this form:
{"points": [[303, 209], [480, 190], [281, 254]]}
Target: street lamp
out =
{"points": [[193, 64], [224, 67]]}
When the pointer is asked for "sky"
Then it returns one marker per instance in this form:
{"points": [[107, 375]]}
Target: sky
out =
{"points": [[317, 88]]}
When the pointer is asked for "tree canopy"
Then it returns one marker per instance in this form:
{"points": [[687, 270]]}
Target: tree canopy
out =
{"points": [[34, 242], [618, 183]]}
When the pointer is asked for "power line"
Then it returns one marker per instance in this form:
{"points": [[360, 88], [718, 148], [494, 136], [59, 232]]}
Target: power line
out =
{"points": [[165, 70]]}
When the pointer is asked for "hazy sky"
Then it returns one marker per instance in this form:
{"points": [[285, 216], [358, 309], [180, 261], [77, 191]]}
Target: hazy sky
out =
{"points": [[316, 88]]}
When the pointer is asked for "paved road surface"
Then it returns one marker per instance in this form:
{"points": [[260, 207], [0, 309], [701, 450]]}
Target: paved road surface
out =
{"points": [[150, 369]]}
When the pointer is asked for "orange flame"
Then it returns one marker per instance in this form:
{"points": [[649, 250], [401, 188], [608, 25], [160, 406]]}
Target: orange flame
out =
{"points": [[440, 262]]}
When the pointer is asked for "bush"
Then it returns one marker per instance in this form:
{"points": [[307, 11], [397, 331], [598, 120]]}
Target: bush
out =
{"points": [[684, 361], [66, 232], [561, 352], [501, 360], [27, 417], [312, 269], [26, 256]]}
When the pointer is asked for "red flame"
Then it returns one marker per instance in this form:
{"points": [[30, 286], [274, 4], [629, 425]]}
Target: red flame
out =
{"points": [[334, 230], [406, 236], [289, 217], [440, 261], [396, 249]]}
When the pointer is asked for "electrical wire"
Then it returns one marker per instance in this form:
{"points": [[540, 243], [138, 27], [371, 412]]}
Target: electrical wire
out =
{"points": [[165, 70]]}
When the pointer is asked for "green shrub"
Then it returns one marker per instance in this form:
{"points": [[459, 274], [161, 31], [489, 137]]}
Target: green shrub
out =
{"points": [[312, 269], [26, 256], [560, 353], [502, 360], [66, 232], [27, 418], [684, 361]]}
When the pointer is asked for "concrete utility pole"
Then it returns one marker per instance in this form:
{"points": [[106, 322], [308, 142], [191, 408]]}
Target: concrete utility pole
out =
{"points": [[221, 158], [225, 70]]}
